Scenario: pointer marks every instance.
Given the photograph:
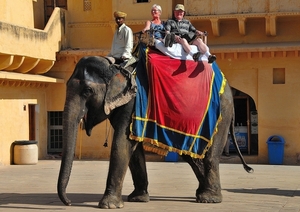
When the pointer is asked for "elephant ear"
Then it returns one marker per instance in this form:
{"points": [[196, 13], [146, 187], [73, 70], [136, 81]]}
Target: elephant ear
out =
{"points": [[121, 89]]}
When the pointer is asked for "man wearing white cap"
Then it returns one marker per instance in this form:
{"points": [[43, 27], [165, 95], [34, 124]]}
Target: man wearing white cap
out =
{"points": [[123, 40], [181, 26]]}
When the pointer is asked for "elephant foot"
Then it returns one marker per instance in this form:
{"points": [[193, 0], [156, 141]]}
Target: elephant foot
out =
{"points": [[111, 202], [209, 197], [138, 196]]}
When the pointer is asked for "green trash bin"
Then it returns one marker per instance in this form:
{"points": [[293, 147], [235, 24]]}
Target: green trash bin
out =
{"points": [[275, 149]]}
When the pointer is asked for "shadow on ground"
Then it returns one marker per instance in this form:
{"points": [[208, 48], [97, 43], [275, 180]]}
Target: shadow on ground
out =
{"points": [[8, 200], [267, 191], [43, 199]]}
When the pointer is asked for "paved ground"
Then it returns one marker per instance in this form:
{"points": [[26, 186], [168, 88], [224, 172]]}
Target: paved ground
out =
{"points": [[172, 188]]}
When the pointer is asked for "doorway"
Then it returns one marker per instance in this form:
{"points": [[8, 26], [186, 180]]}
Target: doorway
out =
{"points": [[32, 121], [245, 123]]}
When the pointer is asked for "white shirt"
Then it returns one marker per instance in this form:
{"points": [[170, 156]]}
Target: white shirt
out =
{"points": [[122, 43]]}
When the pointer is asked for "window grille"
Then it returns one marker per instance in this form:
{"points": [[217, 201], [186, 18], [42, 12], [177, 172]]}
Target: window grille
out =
{"points": [[87, 5], [55, 127], [50, 5]]}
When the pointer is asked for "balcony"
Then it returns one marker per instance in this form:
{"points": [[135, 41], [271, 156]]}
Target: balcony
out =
{"points": [[30, 51]]}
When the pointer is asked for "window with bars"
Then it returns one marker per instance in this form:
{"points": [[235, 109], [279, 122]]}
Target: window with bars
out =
{"points": [[50, 5], [55, 130], [141, 1], [87, 5]]}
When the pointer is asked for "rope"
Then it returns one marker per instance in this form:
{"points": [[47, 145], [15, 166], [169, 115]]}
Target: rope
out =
{"points": [[107, 134]]}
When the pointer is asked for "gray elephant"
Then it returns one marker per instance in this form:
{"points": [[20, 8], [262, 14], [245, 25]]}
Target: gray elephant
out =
{"points": [[98, 90]]}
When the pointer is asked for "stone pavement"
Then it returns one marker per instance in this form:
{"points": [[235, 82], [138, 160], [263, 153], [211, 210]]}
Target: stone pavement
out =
{"points": [[171, 186]]}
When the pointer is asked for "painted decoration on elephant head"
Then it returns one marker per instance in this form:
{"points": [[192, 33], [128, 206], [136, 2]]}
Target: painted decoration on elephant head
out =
{"points": [[177, 104]]}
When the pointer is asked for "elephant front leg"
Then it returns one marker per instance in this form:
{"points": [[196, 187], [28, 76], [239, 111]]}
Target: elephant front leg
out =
{"points": [[119, 161], [112, 197], [138, 170]]}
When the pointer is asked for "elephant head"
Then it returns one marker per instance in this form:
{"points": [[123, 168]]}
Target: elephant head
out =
{"points": [[94, 90]]}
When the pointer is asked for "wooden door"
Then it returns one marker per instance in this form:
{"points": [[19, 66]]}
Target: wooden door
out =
{"points": [[32, 127]]}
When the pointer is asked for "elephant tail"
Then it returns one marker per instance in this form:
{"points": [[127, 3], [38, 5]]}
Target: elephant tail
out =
{"points": [[246, 167]]}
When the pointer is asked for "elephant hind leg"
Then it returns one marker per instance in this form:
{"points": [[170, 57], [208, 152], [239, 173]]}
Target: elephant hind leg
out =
{"points": [[207, 173], [138, 170], [211, 191]]}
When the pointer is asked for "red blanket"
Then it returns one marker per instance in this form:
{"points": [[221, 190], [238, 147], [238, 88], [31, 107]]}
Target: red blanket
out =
{"points": [[177, 104], [178, 92]]}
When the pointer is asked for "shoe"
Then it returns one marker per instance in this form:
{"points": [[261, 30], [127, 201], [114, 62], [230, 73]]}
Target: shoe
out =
{"points": [[212, 58], [167, 40], [196, 56], [172, 39]]}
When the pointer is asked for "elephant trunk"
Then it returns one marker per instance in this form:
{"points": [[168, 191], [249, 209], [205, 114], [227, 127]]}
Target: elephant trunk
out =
{"points": [[71, 117]]}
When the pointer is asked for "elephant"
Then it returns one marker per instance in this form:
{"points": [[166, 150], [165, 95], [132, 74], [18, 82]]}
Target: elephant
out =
{"points": [[93, 94]]}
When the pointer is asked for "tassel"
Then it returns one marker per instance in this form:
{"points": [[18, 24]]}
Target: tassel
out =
{"points": [[107, 134], [105, 143]]}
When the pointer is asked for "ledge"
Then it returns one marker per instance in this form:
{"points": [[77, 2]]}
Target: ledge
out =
{"points": [[84, 51], [10, 76], [261, 50], [252, 50], [257, 47], [77, 53]]}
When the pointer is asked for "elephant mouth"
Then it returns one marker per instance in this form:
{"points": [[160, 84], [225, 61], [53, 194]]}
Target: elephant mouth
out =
{"points": [[86, 125]]}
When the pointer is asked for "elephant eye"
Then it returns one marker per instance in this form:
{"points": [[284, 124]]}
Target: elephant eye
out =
{"points": [[87, 91]]}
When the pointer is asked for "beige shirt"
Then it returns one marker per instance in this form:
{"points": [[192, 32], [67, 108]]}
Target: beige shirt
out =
{"points": [[122, 43]]}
